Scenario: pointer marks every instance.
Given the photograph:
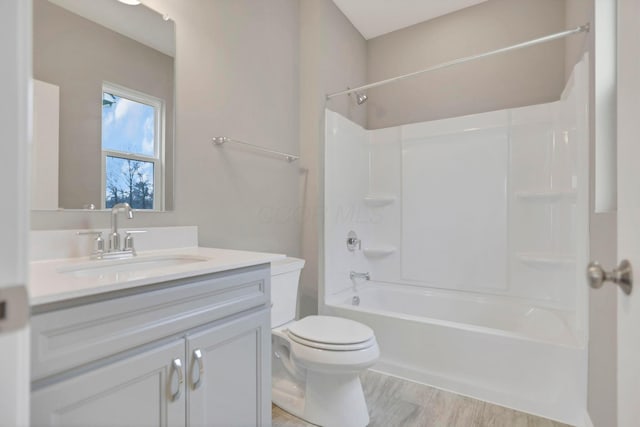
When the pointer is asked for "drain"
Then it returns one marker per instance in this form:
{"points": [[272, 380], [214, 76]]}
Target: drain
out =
{"points": [[355, 300]]}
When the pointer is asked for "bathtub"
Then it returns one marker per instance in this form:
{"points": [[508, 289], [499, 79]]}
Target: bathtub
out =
{"points": [[495, 349]]}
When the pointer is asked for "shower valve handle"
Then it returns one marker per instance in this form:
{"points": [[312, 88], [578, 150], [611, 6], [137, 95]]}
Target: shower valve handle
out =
{"points": [[353, 242]]}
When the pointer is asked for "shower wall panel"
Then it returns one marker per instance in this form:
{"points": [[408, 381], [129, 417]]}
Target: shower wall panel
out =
{"points": [[454, 202]]}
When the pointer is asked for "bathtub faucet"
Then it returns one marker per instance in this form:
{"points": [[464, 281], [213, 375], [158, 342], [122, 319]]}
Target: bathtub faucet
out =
{"points": [[355, 275]]}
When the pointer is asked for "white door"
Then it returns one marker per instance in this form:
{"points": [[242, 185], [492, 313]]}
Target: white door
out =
{"points": [[629, 209], [142, 390], [229, 376], [15, 74]]}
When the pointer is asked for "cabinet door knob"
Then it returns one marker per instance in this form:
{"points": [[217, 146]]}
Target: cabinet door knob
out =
{"points": [[197, 357], [176, 366]]}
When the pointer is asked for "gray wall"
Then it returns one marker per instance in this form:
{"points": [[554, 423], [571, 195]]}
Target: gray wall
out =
{"points": [[531, 76], [78, 55], [332, 57], [236, 75]]}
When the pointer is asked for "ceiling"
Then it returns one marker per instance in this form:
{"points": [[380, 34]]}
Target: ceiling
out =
{"points": [[377, 17]]}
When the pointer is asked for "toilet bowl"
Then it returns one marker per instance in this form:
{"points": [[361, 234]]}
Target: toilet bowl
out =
{"points": [[316, 361]]}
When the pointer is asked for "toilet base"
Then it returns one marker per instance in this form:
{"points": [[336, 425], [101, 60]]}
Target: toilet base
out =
{"points": [[328, 401]]}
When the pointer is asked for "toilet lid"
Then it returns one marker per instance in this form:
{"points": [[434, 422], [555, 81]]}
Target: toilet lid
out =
{"points": [[331, 330]]}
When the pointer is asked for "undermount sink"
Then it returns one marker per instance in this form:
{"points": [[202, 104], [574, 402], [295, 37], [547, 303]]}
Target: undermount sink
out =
{"points": [[143, 263]]}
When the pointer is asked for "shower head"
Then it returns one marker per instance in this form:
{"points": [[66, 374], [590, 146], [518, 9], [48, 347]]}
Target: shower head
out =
{"points": [[361, 98]]}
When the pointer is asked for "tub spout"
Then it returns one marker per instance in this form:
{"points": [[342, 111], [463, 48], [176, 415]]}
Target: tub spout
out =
{"points": [[355, 275]]}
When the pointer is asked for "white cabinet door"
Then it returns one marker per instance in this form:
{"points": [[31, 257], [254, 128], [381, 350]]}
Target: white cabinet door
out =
{"points": [[137, 391], [229, 377]]}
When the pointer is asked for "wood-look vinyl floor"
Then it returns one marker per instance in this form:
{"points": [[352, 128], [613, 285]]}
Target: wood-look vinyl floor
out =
{"points": [[394, 402]]}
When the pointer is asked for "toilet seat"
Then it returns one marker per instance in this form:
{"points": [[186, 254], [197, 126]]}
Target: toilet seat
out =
{"points": [[331, 333], [331, 347]]}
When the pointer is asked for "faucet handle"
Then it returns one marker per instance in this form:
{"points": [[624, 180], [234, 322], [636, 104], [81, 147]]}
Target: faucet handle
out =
{"points": [[98, 242], [128, 239]]}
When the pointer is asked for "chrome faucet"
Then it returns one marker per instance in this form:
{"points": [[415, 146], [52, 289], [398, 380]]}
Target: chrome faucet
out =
{"points": [[356, 275], [114, 236], [114, 249]]}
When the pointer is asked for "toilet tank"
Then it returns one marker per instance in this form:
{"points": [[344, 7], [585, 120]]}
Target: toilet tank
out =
{"points": [[285, 275]]}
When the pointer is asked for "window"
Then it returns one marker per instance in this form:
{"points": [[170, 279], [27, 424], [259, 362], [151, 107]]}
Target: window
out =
{"points": [[132, 148]]}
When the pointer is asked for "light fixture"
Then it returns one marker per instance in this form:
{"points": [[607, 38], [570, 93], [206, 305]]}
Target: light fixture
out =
{"points": [[130, 2]]}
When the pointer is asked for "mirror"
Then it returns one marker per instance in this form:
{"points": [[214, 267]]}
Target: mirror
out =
{"points": [[103, 106]]}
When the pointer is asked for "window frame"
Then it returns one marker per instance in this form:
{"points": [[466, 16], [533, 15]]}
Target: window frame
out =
{"points": [[159, 143]]}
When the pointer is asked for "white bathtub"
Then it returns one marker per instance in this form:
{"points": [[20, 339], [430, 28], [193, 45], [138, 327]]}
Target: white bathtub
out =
{"points": [[491, 348]]}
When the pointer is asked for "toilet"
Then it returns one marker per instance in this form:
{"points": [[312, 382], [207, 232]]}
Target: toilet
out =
{"points": [[316, 361]]}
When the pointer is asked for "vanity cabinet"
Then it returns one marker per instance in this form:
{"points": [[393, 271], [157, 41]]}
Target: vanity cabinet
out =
{"points": [[132, 392], [225, 386], [191, 352]]}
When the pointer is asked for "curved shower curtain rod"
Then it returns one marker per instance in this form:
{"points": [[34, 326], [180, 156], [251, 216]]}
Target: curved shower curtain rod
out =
{"points": [[551, 37]]}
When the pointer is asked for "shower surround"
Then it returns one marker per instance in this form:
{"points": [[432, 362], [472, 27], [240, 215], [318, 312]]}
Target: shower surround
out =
{"points": [[474, 231]]}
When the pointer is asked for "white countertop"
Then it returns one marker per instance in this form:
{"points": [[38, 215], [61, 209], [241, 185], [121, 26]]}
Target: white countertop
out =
{"points": [[47, 284]]}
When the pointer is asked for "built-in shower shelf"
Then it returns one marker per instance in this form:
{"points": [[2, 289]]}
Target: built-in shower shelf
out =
{"points": [[378, 251], [546, 259], [376, 200], [546, 196]]}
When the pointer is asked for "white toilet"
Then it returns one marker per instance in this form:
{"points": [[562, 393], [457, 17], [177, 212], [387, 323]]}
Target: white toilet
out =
{"points": [[316, 360]]}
